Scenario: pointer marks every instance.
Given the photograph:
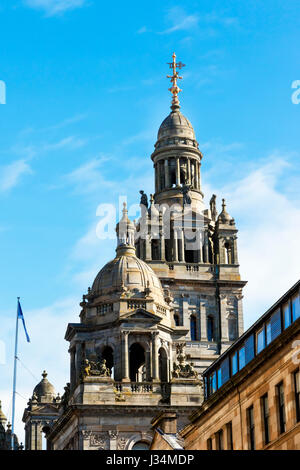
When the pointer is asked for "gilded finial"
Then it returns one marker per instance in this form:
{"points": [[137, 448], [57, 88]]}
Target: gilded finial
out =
{"points": [[175, 88]]}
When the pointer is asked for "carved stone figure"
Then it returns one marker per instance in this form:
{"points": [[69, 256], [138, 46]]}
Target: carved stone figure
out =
{"points": [[185, 189], [181, 368], [213, 209], [144, 199]]}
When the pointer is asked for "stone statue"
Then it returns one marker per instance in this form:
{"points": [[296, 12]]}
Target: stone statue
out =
{"points": [[103, 369], [144, 199], [213, 210], [92, 368], [185, 189], [181, 368]]}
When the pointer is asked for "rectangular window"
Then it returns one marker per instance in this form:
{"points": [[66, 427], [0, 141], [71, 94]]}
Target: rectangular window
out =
{"points": [[219, 372], [229, 436], [274, 326], [281, 407], [251, 428], [219, 440], [225, 370], [297, 393], [249, 349], [242, 359], [261, 340], [287, 314], [296, 306], [265, 416], [209, 444], [212, 383], [234, 363]]}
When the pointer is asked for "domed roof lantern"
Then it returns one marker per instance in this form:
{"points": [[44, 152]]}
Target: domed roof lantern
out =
{"points": [[125, 234], [44, 390], [224, 217]]}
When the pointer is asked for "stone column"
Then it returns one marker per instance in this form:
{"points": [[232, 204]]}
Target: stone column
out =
{"points": [[72, 367], [125, 354], [182, 246], [197, 175], [78, 359], [177, 171], [206, 250], [148, 248], [175, 246], [158, 176], [167, 179], [155, 364], [203, 321], [162, 245], [189, 170], [235, 251]]}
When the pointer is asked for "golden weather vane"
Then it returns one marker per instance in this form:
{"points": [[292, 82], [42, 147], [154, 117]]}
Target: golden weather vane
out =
{"points": [[175, 88]]}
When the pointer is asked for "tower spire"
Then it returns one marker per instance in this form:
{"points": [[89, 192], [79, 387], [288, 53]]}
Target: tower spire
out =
{"points": [[175, 88]]}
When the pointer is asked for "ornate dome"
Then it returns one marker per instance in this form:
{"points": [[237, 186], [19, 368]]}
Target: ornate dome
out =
{"points": [[44, 388], [127, 272], [176, 129]]}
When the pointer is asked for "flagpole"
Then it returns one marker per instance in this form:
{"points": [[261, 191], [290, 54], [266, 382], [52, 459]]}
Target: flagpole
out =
{"points": [[14, 381]]}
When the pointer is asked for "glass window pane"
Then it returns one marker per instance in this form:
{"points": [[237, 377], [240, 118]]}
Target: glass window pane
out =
{"points": [[269, 338], [260, 340], [242, 358], [225, 370], [287, 315], [296, 307], [249, 349], [219, 378], [234, 363]]}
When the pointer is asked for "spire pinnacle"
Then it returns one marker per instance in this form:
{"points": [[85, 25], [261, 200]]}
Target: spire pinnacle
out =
{"points": [[175, 88]]}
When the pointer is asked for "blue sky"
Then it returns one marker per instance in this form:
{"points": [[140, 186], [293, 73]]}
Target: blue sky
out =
{"points": [[86, 93]]}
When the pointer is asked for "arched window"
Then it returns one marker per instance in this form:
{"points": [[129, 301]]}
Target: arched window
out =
{"points": [[193, 324], [140, 445], [176, 319], [137, 363], [210, 329], [108, 355], [228, 253]]}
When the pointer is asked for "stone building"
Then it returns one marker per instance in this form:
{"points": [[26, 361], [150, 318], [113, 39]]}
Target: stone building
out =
{"points": [[252, 391], [40, 414], [159, 313], [5, 434]]}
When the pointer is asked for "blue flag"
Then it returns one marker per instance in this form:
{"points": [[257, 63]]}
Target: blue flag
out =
{"points": [[20, 315]]}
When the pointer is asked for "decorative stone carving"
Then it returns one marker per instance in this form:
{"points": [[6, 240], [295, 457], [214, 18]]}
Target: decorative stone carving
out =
{"points": [[181, 368], [213, 209], [94, 368], [185, 189], [121, 443]]}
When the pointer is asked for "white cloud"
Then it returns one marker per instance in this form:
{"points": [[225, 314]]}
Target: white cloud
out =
{"points": [[70, 142], [11, 174], [269, 233], [47, 350], [55, 7], [180, 21]]}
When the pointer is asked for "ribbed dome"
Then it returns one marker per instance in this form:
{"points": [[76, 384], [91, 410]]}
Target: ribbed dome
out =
{"points": [[44, 388], [127, 271], [176, 129]]}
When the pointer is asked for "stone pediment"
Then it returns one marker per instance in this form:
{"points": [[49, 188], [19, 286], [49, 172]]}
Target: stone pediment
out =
{"points": [[140, 316]]}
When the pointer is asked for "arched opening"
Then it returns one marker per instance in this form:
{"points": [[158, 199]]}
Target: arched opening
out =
{"points": [[45, 444], [172, 172], [176, 319], [108, 355], [210, 329], [193, 327], [163, 365], [228, 254], [141, 445], [137, 363], [155, 250]]}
